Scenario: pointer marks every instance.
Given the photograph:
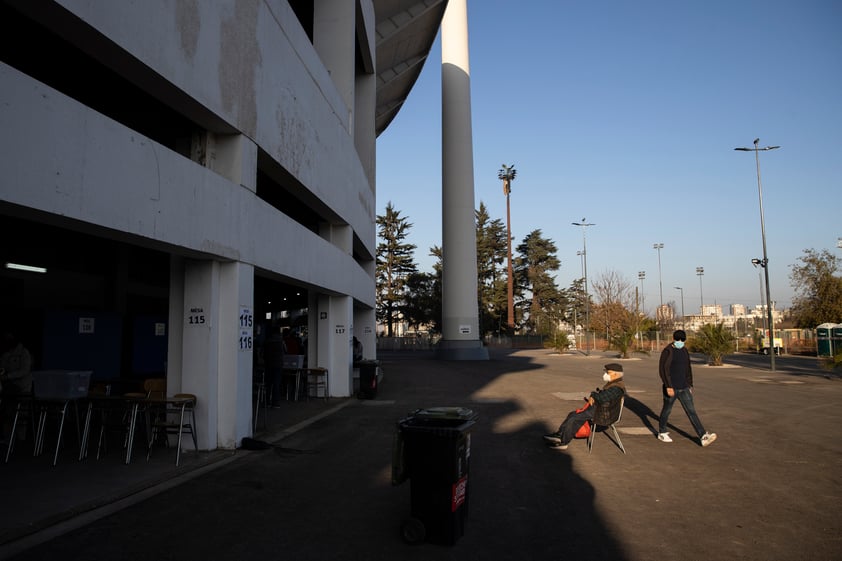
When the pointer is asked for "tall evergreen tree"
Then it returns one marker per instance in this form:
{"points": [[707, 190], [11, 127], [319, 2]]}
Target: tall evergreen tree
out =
{"points": [[533, 266], [395, 263], [423, 299], [491, 255]]}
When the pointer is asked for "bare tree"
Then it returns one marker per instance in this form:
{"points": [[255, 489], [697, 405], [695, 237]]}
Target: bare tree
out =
{"points": [[613, 312]]}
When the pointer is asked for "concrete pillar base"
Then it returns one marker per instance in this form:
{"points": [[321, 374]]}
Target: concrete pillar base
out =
{"points": [[461, 350]]}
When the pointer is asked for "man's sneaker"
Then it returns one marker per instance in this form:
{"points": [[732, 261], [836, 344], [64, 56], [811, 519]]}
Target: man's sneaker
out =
{"points": [[559, 446], [553, 439], [665, 437], [708, 438]]}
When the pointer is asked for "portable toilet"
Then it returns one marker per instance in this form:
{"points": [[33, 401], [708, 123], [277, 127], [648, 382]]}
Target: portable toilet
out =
{"points": [[836, 339], [823, 339]]}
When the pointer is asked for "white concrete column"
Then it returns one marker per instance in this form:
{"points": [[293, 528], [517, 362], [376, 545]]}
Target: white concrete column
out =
{"points": [[210, 355], [460, 318], [333, 325], [236, 346], [236, 159], [364, 330], [333, 38], [365, 97], [200, 323], [365, 137]]}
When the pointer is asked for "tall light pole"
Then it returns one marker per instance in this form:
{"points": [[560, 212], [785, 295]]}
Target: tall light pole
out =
{"points": [[658, 247], [757, 151], [507, 174], [584, 226], [642, 275], [682, 305], [701, 271], [581, 256], [757, 262]]}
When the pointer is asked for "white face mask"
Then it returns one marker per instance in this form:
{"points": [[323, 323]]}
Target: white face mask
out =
{"points": [[679, 344], [606, 377]]}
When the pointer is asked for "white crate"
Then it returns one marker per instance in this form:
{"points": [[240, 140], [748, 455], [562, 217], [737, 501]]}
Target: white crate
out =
{"points": [[60, 384]]}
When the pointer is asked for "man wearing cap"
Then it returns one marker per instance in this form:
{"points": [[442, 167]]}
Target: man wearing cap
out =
{"points": [[614, 388], [677, 377]]}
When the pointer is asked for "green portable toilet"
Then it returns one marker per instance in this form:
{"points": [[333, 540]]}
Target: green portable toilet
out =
{"points": [[836, 339], [823, 342]]}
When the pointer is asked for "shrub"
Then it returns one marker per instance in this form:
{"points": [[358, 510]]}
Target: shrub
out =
{"points": [[715, 341]]}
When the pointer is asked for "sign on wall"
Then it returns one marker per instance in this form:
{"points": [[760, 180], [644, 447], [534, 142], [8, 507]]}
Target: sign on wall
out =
{"points": [[196, 317], [86, 326], [246, 329]]}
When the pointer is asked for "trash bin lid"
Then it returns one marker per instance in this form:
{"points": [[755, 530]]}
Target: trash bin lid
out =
{"points": [[449, 413]]}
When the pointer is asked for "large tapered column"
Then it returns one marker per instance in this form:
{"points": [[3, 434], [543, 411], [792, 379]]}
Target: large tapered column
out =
{"points": [[460, 318]]}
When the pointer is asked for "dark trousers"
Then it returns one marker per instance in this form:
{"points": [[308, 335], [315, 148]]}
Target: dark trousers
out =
{"points": [[573, 423], [685, 396]]}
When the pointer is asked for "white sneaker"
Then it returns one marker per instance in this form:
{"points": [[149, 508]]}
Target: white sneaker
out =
{"points": [[665, 437], [708, 438]]}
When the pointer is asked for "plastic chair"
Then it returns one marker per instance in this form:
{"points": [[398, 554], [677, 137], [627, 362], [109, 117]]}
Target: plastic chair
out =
{"points": [[293, 368], [607, 416], [155, 388], [317, 378]]}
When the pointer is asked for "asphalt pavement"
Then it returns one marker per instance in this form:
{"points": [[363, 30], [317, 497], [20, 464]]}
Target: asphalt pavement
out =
{"points": [[767, 489]]}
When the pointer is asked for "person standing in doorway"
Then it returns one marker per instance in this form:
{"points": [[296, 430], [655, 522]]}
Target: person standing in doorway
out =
{"points": [[15, 366], [273, 361], [677, 379]]}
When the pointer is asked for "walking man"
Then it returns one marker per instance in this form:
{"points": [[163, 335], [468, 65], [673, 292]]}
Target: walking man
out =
{"points": [[677, 378]]}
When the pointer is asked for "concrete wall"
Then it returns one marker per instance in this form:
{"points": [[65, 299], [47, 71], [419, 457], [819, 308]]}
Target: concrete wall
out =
{"points": [[247, 72]]}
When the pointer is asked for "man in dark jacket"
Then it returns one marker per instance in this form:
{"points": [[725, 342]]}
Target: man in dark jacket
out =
{"points": [[677, 378], [614, 388]]}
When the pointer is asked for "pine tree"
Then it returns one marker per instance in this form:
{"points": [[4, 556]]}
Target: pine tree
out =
{"points": [[536, 260], [491, 281], [395, 264]]}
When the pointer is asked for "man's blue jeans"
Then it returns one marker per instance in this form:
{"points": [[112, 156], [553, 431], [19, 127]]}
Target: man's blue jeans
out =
{"points": [[685, 396]]}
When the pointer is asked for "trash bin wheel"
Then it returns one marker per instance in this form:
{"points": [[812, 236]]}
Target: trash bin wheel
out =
{"points": [[413, 531]]}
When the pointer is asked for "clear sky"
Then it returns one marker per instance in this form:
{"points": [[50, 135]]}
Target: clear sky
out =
{"points": [[627, 114]]}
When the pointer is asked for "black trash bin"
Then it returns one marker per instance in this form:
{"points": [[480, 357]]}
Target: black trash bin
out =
{"points": [[368, 378], [433, 450]]}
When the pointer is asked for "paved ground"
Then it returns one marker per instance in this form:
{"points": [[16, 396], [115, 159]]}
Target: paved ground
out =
{"points": [[768, 489]]}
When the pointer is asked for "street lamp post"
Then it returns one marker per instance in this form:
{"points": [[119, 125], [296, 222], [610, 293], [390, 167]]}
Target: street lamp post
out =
{"points": [[584, 226], [757, 151], [642, 275], [682, 305], [507, 174], [581, 256], [701, 271], [658, 247], [757, 262]]}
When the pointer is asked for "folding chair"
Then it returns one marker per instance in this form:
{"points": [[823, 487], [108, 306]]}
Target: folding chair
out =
{"points": [[607, 416]]}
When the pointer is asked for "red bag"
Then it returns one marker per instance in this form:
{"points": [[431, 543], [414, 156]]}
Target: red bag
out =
{"points": [[585, 430]]}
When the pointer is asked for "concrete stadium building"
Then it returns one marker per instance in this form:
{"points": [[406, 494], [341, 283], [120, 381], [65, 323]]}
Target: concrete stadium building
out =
{"points": [[174, 173]]}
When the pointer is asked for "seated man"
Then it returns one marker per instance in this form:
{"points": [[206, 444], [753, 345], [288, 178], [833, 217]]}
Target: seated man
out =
{"points": [[614, 388]]}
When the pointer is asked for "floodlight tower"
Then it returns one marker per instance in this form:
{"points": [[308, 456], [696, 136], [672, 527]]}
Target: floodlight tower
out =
{"points": [[507, 174]]}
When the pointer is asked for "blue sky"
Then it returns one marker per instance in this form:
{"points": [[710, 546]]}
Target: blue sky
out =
{"points": [[627, 114]]}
